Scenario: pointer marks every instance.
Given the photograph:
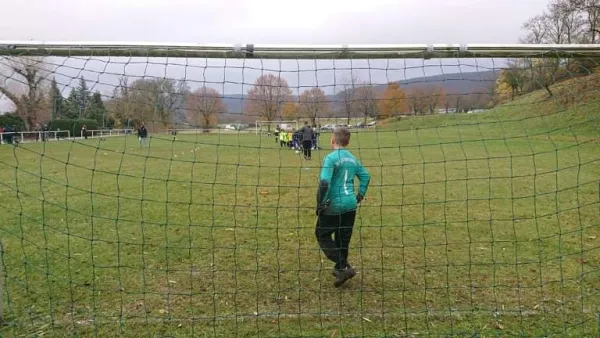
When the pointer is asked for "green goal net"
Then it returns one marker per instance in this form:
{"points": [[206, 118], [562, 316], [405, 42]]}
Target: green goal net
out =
{"points": [[175, 217]]}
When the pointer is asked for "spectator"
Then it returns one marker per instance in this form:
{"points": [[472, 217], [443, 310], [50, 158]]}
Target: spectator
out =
{"points": [[8, 134], [143, 135], [45, 132]]}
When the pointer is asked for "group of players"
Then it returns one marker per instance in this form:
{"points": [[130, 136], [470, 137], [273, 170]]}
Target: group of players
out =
{"points": [[304, 139]]}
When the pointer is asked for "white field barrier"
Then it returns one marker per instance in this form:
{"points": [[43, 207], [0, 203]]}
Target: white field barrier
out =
{"points": [[209, 130], [96, 133], [56, 135], [34, 136]]}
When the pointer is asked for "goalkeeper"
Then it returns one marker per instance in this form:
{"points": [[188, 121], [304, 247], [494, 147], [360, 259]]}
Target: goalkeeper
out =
{"points": [[337, 203]]}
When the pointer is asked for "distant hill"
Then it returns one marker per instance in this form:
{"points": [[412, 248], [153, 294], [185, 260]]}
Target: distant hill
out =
{"points": [[234, 102], [455, 83], [573, 114]]}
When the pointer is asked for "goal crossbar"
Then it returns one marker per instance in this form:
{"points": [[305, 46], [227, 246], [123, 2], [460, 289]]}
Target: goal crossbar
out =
{"points": [[269, 51]]}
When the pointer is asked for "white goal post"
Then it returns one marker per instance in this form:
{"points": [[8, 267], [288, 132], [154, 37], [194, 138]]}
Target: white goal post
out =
{"points": [[272, 125]]}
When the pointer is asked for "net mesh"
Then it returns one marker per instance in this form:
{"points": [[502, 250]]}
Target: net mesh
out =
{"points": [[481, 218]]}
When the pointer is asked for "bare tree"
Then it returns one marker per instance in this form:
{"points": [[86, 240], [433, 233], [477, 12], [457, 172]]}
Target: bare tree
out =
{"points": [[417, 100], [349, 96], [366, 101], [572, 22], [22, 81], [536, 30], [121, 104], [582, 19], [433, 97], [511, 80], [565, 21], [560, 24], [268, 97], [543, 73], [157, 99], [313, 104], [555, 26], [590, 13], [203, 105]]}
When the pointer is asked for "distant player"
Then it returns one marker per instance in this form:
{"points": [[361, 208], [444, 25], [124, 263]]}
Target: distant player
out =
{"points": [[337, 203], [306, 140], [277, 130], [282, 138], [8, 134], [143, 135], [290, 138]]}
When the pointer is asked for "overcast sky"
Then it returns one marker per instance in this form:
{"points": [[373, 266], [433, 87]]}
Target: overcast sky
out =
{"points": [[269, 21], [263, 22]]}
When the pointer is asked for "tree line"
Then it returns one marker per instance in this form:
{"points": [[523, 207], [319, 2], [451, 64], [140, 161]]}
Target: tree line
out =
{"points": [[37, 101], [81, 103], [271, 98], [562, 22], [162, 103]]}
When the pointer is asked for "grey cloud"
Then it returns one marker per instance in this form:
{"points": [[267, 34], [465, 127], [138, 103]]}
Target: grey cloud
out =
{"points": [[310, 21]]}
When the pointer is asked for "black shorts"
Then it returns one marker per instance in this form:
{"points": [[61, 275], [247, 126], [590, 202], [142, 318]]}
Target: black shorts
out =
{"points": [[339, 227]]}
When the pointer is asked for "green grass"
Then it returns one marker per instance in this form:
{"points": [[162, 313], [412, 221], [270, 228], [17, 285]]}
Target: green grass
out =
{"points": [[482, 223]]}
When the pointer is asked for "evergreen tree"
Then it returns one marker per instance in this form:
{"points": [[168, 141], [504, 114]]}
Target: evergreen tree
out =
{"points": [[56, 100], [70, 109], [96, 109], [78, 100], [83, 97]]}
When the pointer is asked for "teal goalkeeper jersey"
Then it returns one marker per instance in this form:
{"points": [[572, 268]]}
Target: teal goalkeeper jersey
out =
{"points": [[340, 168]]}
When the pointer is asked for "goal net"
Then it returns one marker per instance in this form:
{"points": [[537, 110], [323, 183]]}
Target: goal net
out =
{"points": [[271, 127], [481, 217]]}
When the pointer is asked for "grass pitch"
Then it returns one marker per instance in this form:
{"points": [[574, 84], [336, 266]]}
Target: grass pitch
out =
{"points": [[473, 224]]}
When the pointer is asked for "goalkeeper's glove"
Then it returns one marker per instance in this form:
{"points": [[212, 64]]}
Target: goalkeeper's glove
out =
{"points": [[359, 198], [321, 208]]}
